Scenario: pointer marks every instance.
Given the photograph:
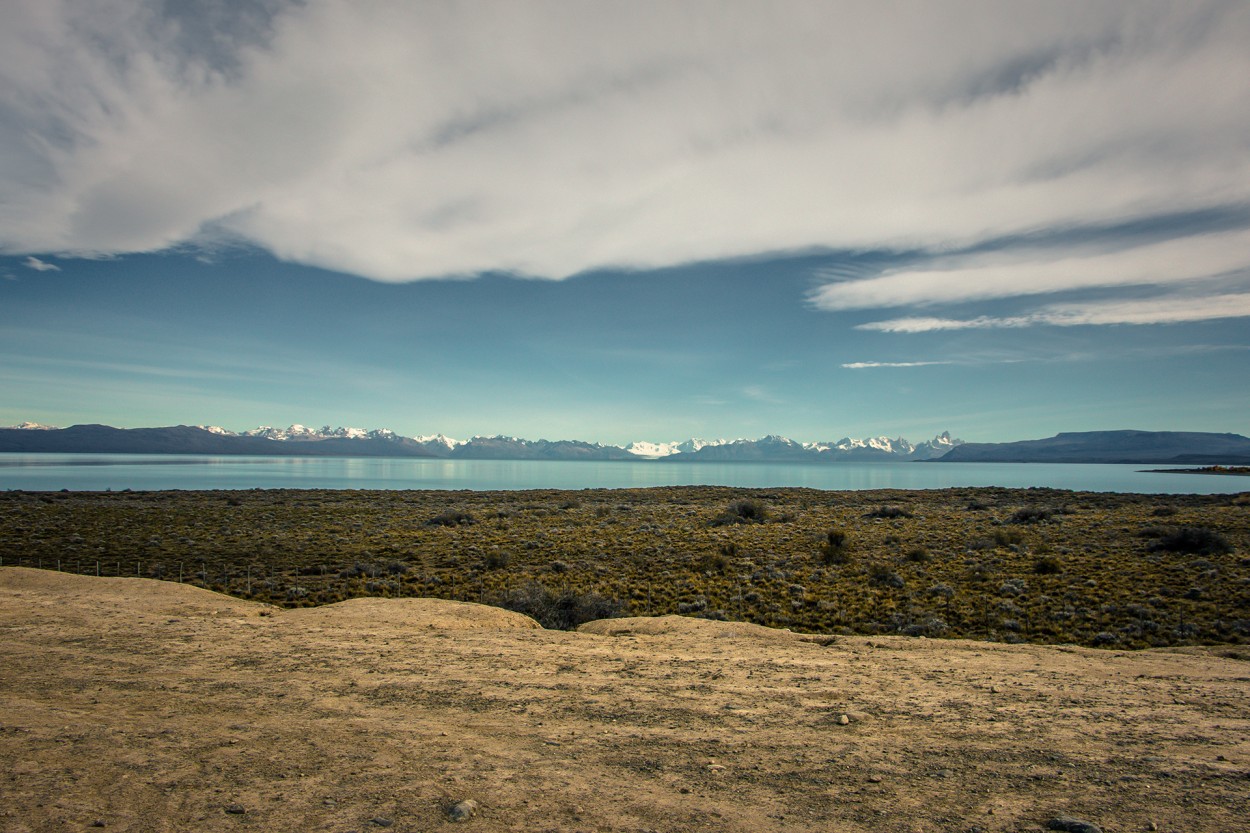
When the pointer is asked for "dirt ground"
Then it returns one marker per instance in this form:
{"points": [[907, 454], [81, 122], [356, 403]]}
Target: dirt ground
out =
{"points": [[139, 705]]}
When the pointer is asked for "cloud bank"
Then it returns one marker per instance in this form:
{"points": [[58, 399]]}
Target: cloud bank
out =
{"points": [[401, 141]]}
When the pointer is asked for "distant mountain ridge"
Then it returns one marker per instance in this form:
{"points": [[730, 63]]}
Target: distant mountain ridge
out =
{"points": [[780, 449], [1144, 447], [300, 440], [196, 439]]}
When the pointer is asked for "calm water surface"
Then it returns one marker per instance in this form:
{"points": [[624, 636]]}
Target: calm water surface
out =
{"points": [[98, 472]]}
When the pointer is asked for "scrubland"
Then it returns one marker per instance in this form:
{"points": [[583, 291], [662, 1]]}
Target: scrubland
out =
{"points": [[1007, 565]]}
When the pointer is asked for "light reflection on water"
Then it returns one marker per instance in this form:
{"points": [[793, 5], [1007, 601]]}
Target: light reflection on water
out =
{"points": [[99, 472]]}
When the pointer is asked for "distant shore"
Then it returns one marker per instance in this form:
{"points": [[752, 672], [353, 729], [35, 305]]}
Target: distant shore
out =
{"points": [[1244, 471]]}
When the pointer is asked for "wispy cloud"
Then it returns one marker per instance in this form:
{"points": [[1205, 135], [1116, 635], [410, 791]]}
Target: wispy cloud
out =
{"points": [[868, 365], [38, 265], [758, 393], [402, 140], [1035, 272], [1170, 309]]}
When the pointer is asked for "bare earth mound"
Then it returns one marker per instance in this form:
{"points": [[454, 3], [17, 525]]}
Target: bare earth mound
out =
{"points": [[411, 613], [135, 705], [685, 627]]}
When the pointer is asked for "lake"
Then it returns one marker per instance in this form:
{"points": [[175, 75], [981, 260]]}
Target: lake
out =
{"points": [[100, 472]]}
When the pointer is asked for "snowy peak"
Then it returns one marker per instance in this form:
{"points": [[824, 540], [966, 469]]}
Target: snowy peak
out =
{"points": [[652, 450], [781, 449], [643, 448], [302, 433], [433, 441]]}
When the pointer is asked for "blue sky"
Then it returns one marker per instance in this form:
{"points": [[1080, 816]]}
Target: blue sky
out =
{"points": [[621, 222]]}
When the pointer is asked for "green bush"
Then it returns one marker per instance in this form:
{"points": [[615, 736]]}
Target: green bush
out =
{"points": [[745, 511], [563, 610], [1034, 514], [888, 512], [451, 517], [1047, 565], [497, 560], [836, 548], [1192, 540]]}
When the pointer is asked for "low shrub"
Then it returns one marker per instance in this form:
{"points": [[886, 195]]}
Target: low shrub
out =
{"points": [[836, 548], [451, 517], [1047, 565], [881, 574], [563, 610], [362, 569], [1191, 540], [745, 511], [1034, 514], [1007, 537], [497, 560], [917, 555]]}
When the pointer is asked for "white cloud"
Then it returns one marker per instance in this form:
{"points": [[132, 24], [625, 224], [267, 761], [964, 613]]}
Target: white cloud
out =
{"points": [[408, 140], [1171, 309], [929, 324], [1033, 272], [867, 365], [38, 265]]}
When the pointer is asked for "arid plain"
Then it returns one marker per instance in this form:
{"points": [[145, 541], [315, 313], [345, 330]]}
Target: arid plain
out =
{"points": [[138, 704]]}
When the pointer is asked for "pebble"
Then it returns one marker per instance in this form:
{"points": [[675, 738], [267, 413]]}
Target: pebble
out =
{"points": [[1067, 824], [843, 719], [381, 821], [463, 810], [235, 809], [876, 779]]}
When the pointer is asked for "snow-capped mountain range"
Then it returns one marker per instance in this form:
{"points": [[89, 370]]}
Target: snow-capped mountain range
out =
{"points": [[301, 439], [724, 449], [299, 433]]}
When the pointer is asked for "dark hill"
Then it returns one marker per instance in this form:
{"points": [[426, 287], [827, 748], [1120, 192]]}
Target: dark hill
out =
{"points": [[187, 439], [1110, 447]]}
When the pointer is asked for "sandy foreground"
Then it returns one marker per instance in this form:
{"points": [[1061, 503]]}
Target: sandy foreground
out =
{"points": [[139, 705]]}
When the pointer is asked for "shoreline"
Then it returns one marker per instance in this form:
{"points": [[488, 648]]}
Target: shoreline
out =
{"points": [[1236, 471]]}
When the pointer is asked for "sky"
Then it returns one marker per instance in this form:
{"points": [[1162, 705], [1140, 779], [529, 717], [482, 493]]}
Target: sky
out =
{"points": [[627, 221]]}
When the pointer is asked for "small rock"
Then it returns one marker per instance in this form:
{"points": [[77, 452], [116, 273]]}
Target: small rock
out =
{"points": [[97, 823], [843, 719], [463, 810], [1151, 826], [381, 821], [944, 773], [235, 809], [874, 779], [1070, 825]]}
